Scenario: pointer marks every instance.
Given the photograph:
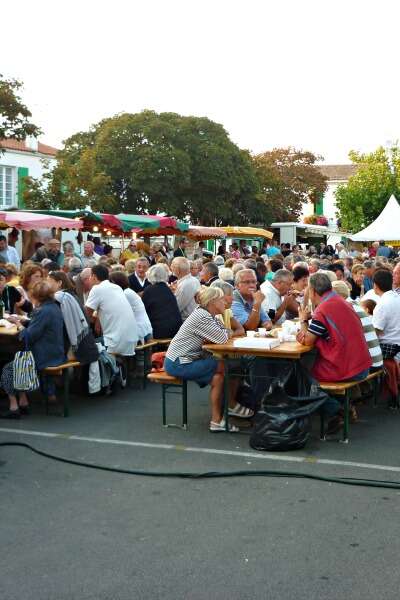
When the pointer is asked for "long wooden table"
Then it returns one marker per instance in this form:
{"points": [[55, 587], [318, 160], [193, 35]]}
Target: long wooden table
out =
{"points": [[9, 342], [285, 351]]}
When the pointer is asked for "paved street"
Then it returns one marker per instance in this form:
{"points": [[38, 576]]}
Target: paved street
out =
{"points": [[68, 532]]}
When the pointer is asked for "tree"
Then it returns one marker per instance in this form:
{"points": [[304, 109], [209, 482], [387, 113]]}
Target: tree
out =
{"points": [[288, 178], [149, 162], [14, 115], [365, 195]]}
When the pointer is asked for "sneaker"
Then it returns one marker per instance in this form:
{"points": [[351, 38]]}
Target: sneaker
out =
{"points": [[220, 427]]}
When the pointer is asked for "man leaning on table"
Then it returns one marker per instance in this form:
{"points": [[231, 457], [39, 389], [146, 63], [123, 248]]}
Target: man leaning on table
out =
{"points": [[336, 332], [247, 309], [247, 302]]}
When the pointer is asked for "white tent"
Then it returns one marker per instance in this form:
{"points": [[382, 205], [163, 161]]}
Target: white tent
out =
{"points": [[385, 227]]}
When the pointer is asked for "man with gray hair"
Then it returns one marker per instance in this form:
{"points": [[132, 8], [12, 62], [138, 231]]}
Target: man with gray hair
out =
{"points": [[276, 295], [89, 256], [209, 273], [186, 286], [83, 284], [247, 301], [336, 332]]}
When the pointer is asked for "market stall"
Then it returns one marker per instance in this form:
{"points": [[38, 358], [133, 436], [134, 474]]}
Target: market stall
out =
{"points": [[247, 233]]}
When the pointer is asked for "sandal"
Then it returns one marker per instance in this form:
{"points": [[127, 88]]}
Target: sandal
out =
{"points": [[220, 427], [241, 412]]}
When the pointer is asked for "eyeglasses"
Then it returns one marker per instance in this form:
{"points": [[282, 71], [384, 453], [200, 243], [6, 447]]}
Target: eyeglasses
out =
{"points": [[248, 281]]}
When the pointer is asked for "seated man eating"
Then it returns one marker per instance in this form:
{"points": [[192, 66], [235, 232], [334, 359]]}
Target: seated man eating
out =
{"points": [[336, 332]]}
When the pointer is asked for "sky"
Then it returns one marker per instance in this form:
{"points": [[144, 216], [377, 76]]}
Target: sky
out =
{"points": [[319, 75]]}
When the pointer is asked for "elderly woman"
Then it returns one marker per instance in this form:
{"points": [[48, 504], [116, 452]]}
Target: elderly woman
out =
{"points": [[43, 335], [186, 358], [160, 303], [228, 319], [226, 274], [78, 338]]}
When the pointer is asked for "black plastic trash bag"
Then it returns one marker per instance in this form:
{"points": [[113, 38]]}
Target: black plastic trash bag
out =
{"points": [[284, 423]]}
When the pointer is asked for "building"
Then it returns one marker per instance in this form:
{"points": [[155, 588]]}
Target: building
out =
{"points": [[337, 175], [21, 159]]}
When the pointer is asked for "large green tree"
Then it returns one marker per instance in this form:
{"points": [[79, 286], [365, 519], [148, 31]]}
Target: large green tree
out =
{"points": [[15, 117], [365, 195], [149, 162], [288, 178]]}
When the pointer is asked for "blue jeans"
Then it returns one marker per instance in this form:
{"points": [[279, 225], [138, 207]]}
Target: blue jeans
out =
{"points": [[201, 371], [332, 406]]}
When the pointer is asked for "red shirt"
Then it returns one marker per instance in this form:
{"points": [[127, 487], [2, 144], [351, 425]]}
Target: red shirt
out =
{"points": [[344, 352]]}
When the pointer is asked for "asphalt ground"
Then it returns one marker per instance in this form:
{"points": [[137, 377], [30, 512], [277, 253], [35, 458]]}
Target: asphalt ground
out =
{"points": [[69, 532]]}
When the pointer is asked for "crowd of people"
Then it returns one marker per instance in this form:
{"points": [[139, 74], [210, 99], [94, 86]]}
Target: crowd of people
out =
{"points": [[347, 302]]}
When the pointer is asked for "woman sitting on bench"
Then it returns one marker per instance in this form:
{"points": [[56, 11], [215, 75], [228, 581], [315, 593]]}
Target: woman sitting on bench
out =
{"points": [[186, 358], [43, 335]]}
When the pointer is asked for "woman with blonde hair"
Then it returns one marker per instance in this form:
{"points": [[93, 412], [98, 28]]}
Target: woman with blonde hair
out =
{"points": [[186, 358]]}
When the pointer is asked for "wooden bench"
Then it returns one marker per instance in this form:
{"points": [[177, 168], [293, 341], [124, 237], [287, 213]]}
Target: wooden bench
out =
{"points": [[146, 348], [64, 371], [167, 383], [343, 389], [162, 341]]}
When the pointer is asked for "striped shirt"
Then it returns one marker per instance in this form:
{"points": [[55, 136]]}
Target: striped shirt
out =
{"points": [[199, 328], [370, 334]]}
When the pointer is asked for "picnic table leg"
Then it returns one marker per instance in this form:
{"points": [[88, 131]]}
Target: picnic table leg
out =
{"points": [[164, 408], [346, 417], [321, 424], [184, 404], [376, 385], [226, 395]]}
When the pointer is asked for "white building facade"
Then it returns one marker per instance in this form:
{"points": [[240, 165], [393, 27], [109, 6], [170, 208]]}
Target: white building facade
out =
{"points": [[337, 175], [18, 160]]}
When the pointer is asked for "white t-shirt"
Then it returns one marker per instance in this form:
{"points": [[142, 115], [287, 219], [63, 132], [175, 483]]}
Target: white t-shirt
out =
{"points": [[371, 295], [386, 318], [139, 311], [116, 317], [272, 299]]}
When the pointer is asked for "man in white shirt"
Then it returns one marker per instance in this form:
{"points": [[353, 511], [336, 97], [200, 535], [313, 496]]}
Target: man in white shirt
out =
{"points": [[386, 316], [9, 253], [114, 312], [186, 288], [276, 295]]}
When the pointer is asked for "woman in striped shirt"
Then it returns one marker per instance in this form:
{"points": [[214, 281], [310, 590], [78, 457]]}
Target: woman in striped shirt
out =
{"points": [[186, 358]]}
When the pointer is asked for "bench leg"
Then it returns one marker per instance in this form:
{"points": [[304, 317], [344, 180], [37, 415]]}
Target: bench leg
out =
{"points": [[346, 417], [184, 404], [66, 392]]}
